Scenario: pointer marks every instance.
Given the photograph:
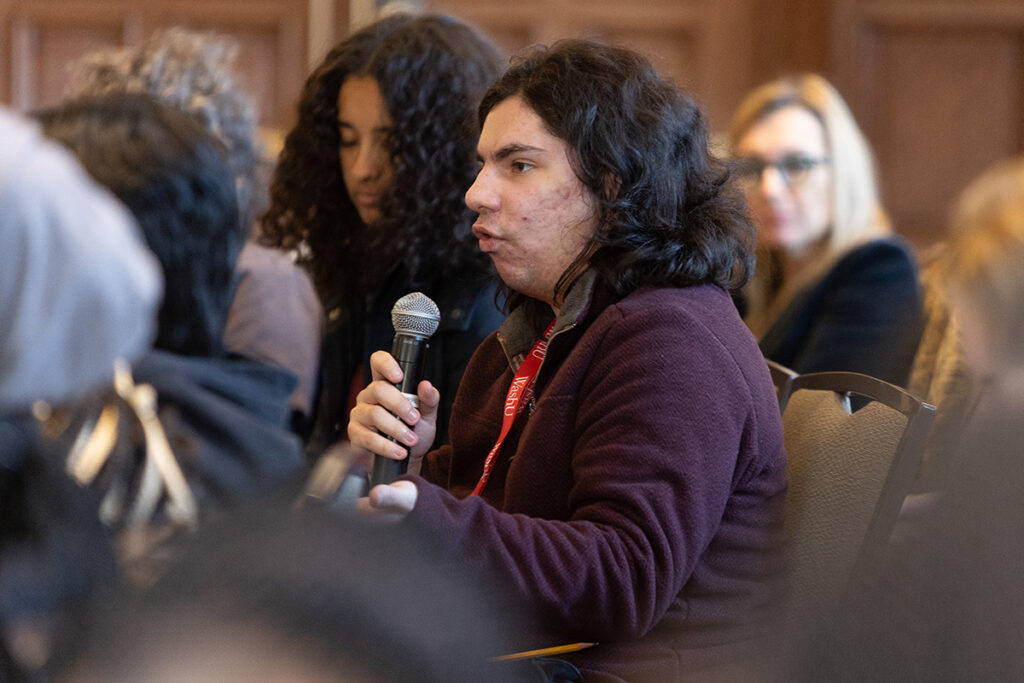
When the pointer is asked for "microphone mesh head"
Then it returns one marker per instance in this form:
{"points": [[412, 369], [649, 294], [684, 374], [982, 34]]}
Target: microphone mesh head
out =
{"points": [[415, 314]]}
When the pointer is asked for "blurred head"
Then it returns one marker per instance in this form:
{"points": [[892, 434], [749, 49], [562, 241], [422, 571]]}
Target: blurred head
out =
{"points": [[633, 190], [78, 287], [283, 595], [193, 72], [55, 556], [174, 177], [986, 271], [374, 172], [806, 167]]}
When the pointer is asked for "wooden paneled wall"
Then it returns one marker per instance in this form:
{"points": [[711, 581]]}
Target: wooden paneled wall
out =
{"points": [[936, 84], [704, 46], [939, 88], [39, 38]]}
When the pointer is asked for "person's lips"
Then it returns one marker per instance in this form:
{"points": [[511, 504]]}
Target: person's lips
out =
{"points": [[369, 199], [488, 241]]}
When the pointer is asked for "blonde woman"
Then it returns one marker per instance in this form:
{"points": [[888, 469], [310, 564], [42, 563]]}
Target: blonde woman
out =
{"points": [[834, 288], [986, 279]]}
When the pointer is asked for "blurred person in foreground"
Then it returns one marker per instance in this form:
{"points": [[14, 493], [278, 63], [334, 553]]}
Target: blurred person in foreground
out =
{"points": [[616, 447], [835, 289], [949, 604], [302, 596], [275, 316], [370, 186], [226, 417], [78, 289]]}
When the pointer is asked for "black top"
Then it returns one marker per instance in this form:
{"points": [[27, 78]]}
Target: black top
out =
{"points": [[864, 315], [469, 313], [227, 422]]}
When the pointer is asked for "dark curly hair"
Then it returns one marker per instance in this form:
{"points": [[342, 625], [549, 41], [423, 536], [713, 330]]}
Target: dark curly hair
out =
{"points": [[669, 214], [174, 177], [432, 71]]}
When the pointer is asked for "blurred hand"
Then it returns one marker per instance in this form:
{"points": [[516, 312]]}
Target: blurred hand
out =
{"points": [[373, 417], [389, 502]]}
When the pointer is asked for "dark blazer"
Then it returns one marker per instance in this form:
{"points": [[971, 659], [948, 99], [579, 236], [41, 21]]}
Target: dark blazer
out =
{"points": [[864, 315]]}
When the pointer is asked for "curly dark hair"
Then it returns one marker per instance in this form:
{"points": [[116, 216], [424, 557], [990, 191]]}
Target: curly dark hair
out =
{"points": [[432, 71], [174, 177], [669, 214]]}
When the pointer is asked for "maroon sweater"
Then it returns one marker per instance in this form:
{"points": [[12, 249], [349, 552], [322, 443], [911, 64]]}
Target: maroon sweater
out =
{"points": [[639, 503]]}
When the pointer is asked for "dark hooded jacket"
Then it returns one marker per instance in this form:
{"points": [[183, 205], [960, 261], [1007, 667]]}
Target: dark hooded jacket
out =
{"points": [[226, 419]]}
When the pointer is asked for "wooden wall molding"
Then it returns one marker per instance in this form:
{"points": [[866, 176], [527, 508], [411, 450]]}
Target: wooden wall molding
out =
{"points": [[950, 14], [705, 47], [44, 35], [935, 85]]}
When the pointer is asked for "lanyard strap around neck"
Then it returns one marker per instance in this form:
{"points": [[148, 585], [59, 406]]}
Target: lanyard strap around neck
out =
{"points": [[519, 394]]}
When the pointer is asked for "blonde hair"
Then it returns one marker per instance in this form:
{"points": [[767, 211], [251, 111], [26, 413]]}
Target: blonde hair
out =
{"points": [[986, 255], [857, 214]]}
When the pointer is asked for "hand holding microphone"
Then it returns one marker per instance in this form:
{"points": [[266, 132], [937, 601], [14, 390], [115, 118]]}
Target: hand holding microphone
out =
{"points": [[385, 420]]}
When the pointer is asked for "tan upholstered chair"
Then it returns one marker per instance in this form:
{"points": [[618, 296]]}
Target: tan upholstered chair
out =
{"points": [[848, 476]]}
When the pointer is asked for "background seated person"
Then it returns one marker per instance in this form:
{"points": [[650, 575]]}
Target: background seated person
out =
{"points": [[834, 289], [635, 499], [948, 604], [78, 289], [370, 184], [275, 314], [226, 416]]}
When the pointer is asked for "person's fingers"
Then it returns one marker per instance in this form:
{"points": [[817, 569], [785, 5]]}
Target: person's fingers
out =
{"points": [[384, 366], [430, 399], [389, 502], [398, 496], [369, 426], [382, 392]]}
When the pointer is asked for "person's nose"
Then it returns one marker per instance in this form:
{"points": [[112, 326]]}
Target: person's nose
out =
{"points": [[481, 195], [370, 161], [772, 183]]}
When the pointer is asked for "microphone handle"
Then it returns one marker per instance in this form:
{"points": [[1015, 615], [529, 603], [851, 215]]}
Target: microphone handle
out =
{"points": [[408, 350]]}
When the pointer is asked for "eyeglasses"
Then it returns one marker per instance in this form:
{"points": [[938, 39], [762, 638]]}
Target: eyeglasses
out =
{"points": [[792, 168]]}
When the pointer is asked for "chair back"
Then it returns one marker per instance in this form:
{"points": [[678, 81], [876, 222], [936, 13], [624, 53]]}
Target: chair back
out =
{"points": [[782, 378], [849, 471]]}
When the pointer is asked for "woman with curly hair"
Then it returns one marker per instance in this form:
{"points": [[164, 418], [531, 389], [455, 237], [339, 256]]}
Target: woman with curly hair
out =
{"points": [[369, 187]]}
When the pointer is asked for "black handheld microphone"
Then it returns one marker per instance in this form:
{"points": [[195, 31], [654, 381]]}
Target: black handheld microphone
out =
{"points": [[415, 318]]}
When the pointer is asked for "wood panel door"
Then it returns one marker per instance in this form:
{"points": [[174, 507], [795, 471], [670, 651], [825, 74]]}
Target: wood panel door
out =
{"points": [[708, 48], [40, 37], [937, 86]]}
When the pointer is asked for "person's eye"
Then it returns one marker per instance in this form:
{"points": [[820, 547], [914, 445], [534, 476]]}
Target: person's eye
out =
{"points": [[346, 143], [521, 166], [797, 164], [748, 168]]}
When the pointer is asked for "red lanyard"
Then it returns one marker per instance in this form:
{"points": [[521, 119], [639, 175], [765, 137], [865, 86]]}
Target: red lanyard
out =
{"points": [[519, 394]]}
